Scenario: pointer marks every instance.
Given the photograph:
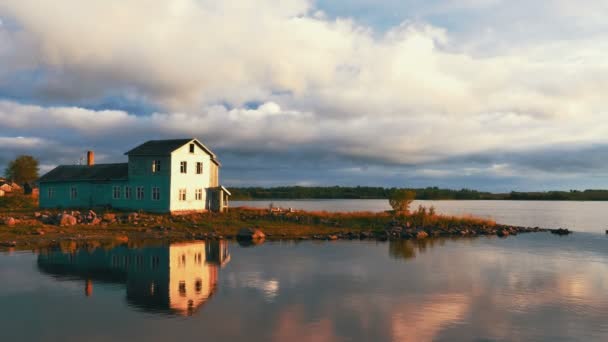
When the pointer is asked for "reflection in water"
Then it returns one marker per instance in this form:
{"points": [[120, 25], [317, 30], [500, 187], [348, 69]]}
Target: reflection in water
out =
{"points": [[407, 249], [530, 287], [177, 278]]}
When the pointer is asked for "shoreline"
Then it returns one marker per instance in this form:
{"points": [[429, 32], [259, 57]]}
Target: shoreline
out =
{"points": [[31, 229]]}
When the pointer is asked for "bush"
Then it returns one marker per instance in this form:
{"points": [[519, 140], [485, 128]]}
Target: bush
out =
{"points": [[400, 200]]}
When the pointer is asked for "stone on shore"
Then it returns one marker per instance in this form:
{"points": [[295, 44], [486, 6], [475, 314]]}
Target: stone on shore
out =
{"points": [[422, 235], [109, 218], [250, 234], [561, 231], [67, 220], [9, 221]]}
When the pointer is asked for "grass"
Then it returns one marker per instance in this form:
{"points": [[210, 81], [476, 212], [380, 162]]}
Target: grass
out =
{"points": [[289, 225]]}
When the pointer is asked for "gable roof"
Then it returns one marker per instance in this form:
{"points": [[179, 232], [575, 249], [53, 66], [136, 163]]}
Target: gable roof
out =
{"points": [[166, 147], [97, 172]]}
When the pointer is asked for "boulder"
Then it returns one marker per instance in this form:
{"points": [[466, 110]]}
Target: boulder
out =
{"points": [[561, 231], [422, 235], [502, 233], [9, 221], [108, 217], [46, 219], [67, 220], [250, 234]]}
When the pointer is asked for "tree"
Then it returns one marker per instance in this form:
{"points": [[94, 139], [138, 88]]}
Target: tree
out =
{"points": [[24, 169], [401, 199]]}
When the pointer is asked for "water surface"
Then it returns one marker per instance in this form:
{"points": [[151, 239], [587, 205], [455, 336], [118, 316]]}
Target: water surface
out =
{"points": [[529, 287], [578, 216]]}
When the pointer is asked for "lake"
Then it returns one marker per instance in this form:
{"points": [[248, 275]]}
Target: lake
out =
{"points": [[577, 216], [528, 287]]}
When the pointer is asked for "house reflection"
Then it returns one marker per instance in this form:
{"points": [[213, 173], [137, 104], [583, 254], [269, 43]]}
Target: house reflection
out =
{"points": [[175, 279]]}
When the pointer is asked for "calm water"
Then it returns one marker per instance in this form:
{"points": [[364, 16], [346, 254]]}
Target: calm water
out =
{"points": [[578, 216], [524, 288]]}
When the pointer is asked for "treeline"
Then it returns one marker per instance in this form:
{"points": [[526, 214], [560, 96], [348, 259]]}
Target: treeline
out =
{"points": [[430, 193]]}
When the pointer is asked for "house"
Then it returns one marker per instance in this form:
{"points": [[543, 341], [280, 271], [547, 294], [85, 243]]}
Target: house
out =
{"points": [[165, 176], [175, 279]]}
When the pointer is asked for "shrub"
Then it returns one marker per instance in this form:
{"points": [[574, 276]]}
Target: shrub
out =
{"points": [[400, 200]]}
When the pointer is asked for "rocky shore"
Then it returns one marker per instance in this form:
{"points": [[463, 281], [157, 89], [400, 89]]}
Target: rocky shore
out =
{"points": [[43, 228]]}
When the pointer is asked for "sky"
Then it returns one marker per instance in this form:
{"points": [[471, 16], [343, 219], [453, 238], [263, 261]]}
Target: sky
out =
{"points": [[485, 94]]}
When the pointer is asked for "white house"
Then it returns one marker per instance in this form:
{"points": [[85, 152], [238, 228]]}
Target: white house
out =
{"points": [[180, 175]]}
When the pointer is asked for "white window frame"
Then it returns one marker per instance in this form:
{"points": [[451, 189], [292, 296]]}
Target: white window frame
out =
{"points": [[116, 192], [183, 194], [128, 192], [198, 194], [155, 193], [140, 193], [183, 167], [199, 168], [156, 166], [73, 192], [50, 194]]}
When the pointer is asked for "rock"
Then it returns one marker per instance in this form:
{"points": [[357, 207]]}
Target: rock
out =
{"points": [[9, 221], [8, 244], [561, 231], [96, 221], [422, 235], [108, 217], [132, 217], [37, 214], [67, 220], [250, 234], [46, 219], [332, 237], [502, 233]]}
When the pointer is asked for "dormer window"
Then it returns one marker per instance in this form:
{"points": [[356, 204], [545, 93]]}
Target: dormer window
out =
{"points": [[155, 166], [191, 148]]}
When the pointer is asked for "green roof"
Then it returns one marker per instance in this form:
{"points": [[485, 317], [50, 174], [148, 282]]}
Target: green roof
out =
{"points": [[98, 172]]}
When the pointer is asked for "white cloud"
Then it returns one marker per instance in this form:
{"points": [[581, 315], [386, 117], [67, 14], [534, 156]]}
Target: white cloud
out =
{"points": [[416, 93]]}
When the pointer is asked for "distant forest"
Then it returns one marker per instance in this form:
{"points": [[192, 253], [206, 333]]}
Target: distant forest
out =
{"points": [[431, 193]]}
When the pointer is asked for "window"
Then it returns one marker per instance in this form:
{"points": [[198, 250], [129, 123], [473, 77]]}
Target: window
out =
{"points": [[191, 148], [155, 193], [182, 288], [198, 194], [183, 167], [140, 193], [51, 193], [155, 166], [199, 168], [128, 192], [73, 192], [116, 192], [182, 194]]}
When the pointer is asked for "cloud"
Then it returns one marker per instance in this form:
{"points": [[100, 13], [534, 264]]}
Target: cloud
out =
{"points": [[267, 82]]}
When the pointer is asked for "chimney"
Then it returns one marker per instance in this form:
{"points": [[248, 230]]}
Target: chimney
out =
{"points": [[90, 158]]}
